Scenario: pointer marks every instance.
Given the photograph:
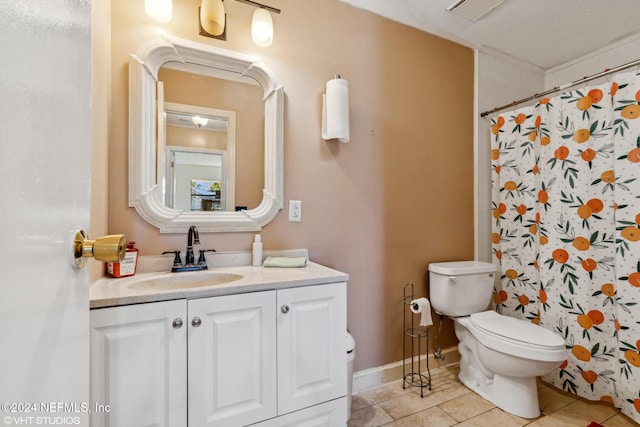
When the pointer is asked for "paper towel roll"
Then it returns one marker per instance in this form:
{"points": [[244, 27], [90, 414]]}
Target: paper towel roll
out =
{"points": [[422, 307], [335, 110]]}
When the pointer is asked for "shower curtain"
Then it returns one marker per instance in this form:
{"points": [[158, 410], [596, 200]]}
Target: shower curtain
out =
{"points": [[566, 232]]}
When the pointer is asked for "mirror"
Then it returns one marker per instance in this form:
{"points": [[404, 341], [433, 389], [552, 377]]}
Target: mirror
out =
{"points": [[188, 96], [146, 162], [197, 145]]}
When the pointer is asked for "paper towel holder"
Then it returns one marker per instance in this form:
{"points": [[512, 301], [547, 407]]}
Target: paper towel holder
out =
{"points": [[335, 110]]}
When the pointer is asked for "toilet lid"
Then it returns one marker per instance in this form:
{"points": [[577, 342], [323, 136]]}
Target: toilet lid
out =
{"points": [[518, 330]]}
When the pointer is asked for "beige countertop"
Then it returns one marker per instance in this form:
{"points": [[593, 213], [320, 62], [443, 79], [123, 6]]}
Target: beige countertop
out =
{"points": [[108, 292]]}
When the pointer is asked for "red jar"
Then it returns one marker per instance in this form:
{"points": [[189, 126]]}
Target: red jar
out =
{"points": [[127, 267]]}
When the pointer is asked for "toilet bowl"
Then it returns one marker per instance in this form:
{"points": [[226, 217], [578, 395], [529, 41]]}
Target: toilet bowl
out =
{"points": [[501, 356]]}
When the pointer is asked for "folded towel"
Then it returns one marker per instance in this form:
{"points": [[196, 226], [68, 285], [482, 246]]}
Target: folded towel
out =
{"points": [[287, 262]]}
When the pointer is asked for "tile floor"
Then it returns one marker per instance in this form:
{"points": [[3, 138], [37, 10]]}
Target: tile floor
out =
{"points": [[452, 404]]}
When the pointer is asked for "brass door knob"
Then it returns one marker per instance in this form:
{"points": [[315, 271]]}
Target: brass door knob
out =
{"points": [[110, 248]]}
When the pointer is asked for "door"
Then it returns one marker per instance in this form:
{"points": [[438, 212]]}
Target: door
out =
{"points": [[232, 359], [312, 355], [45, 166], [139, 365]]}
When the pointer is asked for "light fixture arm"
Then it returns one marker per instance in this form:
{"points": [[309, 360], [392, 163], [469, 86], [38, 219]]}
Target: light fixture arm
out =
{"points": [[260, 5]]}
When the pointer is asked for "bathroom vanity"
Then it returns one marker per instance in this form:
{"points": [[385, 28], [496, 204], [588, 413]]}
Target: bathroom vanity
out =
{"points": [[259, 346]]}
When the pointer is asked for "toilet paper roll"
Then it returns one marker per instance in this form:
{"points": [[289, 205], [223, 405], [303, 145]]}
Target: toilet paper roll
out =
{"points": [[335, 110], [422, 306]]}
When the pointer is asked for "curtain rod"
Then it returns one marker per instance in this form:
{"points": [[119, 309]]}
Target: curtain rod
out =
{"points": [[564, 86]]}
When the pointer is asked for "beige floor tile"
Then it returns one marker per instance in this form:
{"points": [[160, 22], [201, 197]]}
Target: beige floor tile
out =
{"points": [[557, 420], [450, 401], [466, 406], [494, 417], [370, 416], [384, 392], [407, 404], [588, 411], [432, 417], [358, 402], [619, 420], [551, 399], [411, 403]]}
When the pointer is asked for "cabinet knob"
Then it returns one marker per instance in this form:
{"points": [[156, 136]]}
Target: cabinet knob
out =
{"points": [[177, 323], [196, 322], [284, 309]]}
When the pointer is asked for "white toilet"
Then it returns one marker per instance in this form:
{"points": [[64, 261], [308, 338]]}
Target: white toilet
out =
{"points": [[500, 355]]}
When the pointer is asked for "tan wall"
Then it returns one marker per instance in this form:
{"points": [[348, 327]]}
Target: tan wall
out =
{"points": [[383, 206]]}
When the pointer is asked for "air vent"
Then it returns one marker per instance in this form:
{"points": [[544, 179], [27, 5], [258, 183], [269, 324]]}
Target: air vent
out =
{"points": [[474, 9]]}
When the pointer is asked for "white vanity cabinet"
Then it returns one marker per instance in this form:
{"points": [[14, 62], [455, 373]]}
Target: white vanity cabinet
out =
{"points": [[275, 358], [312, 355], [139, 365], [232, 355]]}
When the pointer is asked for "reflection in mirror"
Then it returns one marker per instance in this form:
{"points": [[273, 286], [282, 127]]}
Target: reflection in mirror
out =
{"points": [[148, 144], [203, 92], [195, 179], [200, 145]]}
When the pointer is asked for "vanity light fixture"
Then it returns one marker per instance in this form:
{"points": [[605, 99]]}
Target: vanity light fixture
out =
{"points": [[159, 10], [262, 28], [261, 23], [213, 22], [199, 121]]}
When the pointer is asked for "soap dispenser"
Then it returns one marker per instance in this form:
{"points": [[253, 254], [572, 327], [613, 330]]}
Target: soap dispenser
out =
{"points": [[257, 251]]}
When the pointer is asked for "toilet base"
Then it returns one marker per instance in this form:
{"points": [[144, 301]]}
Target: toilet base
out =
{"points": [[493, 381], [516, 395]]}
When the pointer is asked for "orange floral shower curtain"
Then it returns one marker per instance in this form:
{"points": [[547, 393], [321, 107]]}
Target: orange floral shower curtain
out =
{"points": [[566, 232]]}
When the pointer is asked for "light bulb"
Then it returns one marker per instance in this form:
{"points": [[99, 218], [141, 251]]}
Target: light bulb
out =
{"points": [[159, 10], [262, 28], [199, 121], [212, 17]]}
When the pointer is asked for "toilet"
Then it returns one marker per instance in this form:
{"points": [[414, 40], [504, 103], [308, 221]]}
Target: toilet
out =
{"points": [[500, 356]]}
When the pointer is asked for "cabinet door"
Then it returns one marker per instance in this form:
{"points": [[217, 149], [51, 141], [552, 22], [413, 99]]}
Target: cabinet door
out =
{"points": [[232, 356], [328, 414], [312, 356], [139, 365]]}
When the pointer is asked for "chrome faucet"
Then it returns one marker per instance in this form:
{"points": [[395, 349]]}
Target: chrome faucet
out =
{"points": [[193, 238]]}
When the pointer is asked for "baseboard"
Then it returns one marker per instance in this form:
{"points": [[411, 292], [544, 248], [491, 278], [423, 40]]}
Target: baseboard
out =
{"points": [[373, 377]]}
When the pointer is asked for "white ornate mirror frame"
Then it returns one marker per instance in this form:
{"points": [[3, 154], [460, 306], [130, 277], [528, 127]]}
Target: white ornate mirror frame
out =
{"points": [[145, 195]]}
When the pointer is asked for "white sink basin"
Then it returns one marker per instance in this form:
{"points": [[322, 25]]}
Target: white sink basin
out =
{"points": [[186, 280]]}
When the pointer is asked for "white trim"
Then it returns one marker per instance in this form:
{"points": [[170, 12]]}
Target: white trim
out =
{"points": [[373, 377], [476, 166]]}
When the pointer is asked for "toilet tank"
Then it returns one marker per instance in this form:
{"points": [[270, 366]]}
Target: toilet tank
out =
{"points": [[460, 288]]}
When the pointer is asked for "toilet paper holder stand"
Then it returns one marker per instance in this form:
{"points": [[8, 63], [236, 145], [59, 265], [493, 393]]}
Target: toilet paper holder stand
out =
{"points": [[415, 363]]}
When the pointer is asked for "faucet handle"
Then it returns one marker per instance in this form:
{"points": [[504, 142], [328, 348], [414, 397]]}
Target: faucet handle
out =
{"points": [[201, 259], [176, 260]]}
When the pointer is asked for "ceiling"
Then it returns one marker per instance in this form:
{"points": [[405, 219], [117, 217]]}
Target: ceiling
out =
{"points": [[544, 33]]}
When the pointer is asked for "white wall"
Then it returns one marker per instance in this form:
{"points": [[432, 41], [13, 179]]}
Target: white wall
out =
{"points": [[499, 80], [619, 53]]}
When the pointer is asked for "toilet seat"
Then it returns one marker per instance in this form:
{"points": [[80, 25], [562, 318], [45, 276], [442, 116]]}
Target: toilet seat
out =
{"points": [[516, 337]]}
